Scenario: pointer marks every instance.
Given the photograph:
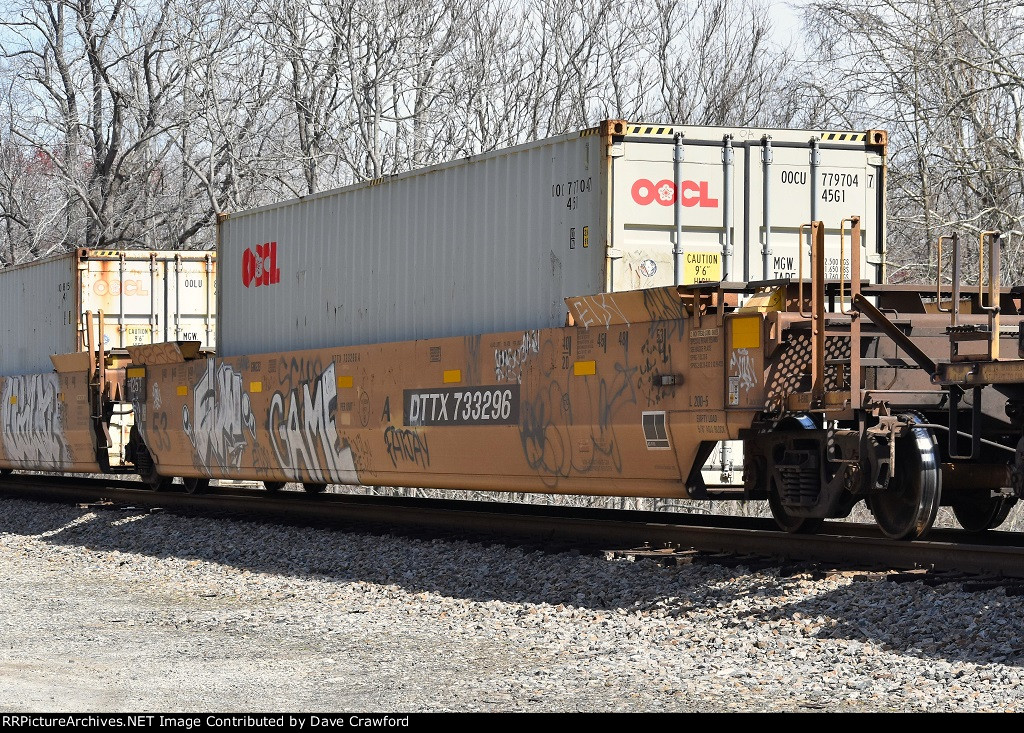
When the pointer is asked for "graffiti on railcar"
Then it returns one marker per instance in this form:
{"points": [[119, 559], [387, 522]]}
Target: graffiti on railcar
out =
{"points": [[656, 355], [742, 363], [509, 359], [220, 418], [362, 456], [473, 370], [742, 377], [291, 372], [667, 316], [598, 310], [303, 430], [407, 445], [567, 419], [163, 353], [364, 409], [33, 421], [603, 407], [542, 432], [664, 305], [157, 435]]}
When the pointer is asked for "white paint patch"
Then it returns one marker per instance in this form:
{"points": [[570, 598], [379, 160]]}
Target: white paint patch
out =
{"points": [[221, 416], [32, 420], [743, 364], [508, 363], [304, 434], [598, 310]]}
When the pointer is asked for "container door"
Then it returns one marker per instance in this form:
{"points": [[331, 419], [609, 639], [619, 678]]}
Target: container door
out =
{"points": [[191, 300], [745, 201], [794, 183], [129, 289], [643, 203]]}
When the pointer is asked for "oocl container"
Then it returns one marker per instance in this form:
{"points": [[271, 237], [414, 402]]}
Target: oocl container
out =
{"points": [[144, 296], [495, 242]]}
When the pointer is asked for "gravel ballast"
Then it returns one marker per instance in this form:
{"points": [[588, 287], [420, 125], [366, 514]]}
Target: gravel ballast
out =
{"points": [[128, 610]]}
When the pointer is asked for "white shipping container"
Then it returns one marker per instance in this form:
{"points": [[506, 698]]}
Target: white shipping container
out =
{"points": [[495, 242], [145, 297]]}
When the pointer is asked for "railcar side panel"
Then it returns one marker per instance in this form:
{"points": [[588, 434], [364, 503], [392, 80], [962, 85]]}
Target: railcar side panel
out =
{"points": [[45, 423], [617, 406]]}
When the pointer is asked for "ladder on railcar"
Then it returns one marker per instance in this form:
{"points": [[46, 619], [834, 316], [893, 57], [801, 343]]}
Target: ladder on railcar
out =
{"points": [[949, 377]]}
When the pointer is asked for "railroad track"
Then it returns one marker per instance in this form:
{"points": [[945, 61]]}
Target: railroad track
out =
{"points": [[665, 537]]}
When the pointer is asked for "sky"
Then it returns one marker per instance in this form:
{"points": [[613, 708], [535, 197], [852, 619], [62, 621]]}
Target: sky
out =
{"points": [[786, 13]]}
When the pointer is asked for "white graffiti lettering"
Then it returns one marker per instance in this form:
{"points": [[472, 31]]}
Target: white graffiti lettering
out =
{"points": [[508, 363], [33, 426], [743, 363], [599, 310], [221, 410], [304, 434]]}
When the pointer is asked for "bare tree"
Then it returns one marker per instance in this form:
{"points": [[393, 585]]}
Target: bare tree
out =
{"points": [[484, 94], [718, 63], [31, 206], [946, 81], [97, 75], [299, 39], [153, 118], [231, 146]]}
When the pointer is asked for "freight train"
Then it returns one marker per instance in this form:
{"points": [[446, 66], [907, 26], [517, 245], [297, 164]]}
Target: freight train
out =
{"points": [[627, 310]]}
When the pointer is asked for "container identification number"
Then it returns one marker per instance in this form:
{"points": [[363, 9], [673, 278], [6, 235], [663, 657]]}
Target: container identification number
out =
{"points": [[833, 185], [451, 406], [571, 190]]}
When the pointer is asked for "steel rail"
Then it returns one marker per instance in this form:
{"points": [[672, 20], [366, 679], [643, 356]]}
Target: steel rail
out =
{"points": [[844, 543]]}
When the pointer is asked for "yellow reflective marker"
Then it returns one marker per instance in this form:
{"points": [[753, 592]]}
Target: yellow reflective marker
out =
{"points": [[746, 332], [344, 382], [583, 368], [452, 376], [255, 386], [136, 372], [182, 391]]}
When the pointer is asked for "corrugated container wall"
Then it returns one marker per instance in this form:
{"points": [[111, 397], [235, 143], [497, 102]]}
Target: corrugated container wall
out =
{"points": [[495, 242], [145, 297]]}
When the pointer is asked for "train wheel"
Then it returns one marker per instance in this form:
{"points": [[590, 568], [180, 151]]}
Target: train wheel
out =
{"points": [[978, 515], [196, 485], [907, 509], [156, 481], [273, 486], [314, 488], [786, 521], [147, 470]]}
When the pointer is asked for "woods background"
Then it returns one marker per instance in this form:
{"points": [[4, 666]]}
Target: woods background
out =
{"points": [[131, 125]]}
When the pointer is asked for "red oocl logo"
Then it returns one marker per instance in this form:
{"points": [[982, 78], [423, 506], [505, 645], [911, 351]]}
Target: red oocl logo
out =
{"points": [[694, 193], [259, 265]]}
